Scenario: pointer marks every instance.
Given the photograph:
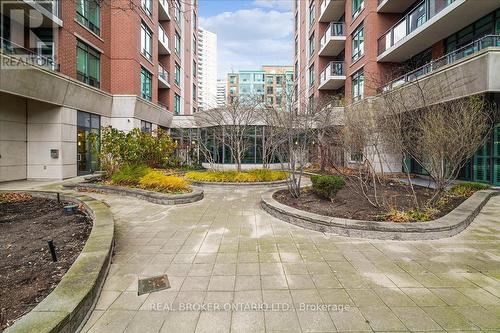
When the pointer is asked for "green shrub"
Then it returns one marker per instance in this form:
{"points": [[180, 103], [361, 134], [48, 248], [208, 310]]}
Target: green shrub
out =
{"points": [[130, 174], [468, 189], [256, 175], [326, 186], [158, 181]]}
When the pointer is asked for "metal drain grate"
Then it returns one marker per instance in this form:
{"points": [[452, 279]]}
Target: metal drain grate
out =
{"points": [[152, 284]]}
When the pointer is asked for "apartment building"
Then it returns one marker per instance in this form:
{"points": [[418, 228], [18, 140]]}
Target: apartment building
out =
{"points": [[221, 93], [207, 69], [70, 67], [357, 48], [272, 84]]}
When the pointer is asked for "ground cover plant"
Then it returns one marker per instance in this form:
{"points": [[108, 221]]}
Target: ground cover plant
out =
{"points": [[251, 176], [27, 273]]}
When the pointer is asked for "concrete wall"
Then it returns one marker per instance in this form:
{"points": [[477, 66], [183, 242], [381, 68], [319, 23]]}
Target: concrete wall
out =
{"points": [[12, 137]]}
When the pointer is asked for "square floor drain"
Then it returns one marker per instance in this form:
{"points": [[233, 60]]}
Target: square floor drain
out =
{"points": [[155, 283]]}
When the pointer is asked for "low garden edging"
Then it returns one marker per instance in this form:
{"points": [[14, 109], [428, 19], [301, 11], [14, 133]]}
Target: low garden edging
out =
{"points": [[446, 226], [68, 306], [278, 183], [154, 197]]}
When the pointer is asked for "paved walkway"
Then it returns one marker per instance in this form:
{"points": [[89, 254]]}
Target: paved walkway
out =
{"points": [[226, 252]]}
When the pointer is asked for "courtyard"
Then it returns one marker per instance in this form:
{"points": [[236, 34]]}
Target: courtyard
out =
{"points": [[234, 268]]}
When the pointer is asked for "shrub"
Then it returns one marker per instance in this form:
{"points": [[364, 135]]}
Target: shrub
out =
{"points": [[326, 186], [130, 174], [158, 181], [468, 189], [257, 175], [410, 215]]}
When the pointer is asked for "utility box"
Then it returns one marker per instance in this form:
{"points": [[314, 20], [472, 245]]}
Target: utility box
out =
{"points": [[54, 153]]}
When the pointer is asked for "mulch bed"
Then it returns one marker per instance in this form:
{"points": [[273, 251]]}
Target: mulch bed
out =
{"points": [[350, 204], [27, 273]]}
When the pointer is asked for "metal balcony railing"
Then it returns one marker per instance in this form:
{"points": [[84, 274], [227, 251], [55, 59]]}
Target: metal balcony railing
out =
{"points": [[420, 14], [24, 56], [335, 29], [334, 68], [467, 50]]}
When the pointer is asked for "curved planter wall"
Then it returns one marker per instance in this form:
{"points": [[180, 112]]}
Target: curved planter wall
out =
{"points": [[154, 197], [280, 183], [446, 226], [68, 306]]}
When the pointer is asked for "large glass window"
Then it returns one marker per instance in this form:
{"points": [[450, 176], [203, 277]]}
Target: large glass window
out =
{"points": [[311, 76], [146, 41], [357, 7], [88, 64], [177, 11], [177, 74], [358, 85], [147, 5], [177, 104], [88, 13], [311, 45], [146, 126], [358, 43], [312, 13], [177, 43], [146, 84]]}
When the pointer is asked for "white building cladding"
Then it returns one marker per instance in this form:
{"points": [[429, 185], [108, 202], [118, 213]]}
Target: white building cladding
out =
{"points": [[207, 69], [221, 93]]}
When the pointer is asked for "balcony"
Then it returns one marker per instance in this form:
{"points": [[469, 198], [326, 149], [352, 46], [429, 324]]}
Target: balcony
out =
{"points": [[163, 14], [163, 79], [427, 23], [49, 9], [333, 76], [333, 41], [491, 41], [331, 10], [393, 6], [163, 45]]}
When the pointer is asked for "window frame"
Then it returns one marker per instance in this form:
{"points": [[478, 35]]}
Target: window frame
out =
{"points": [[358, 82], [359, 51], [146, 41], [84, 19], [86, 77], [146, 78]]}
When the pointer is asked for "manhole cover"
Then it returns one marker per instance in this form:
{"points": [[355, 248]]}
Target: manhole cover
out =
{"points": [[155, 283]]}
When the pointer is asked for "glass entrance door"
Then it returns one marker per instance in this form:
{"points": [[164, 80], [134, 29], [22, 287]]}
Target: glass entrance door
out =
{"points": [[87, 149]]}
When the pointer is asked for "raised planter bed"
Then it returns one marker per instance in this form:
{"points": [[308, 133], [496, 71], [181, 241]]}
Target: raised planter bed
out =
{"points": [[279, 183], [446, 226], [68, 306], [154, 197]]}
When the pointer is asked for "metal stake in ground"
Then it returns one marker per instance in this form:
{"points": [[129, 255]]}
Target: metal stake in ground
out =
{"points": [[52, 250]]}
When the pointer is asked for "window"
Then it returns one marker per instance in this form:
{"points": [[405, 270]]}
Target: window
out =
{"points": [[269, 79], [177, 43], [194, 93], [194, 44], [146, 41], [88, 13], [177, 11], [232, 79], [245, 77], [177, 104], [311, 45], [296, 45], [258, 77], [88, 64], [147, 5], [358, 85], [146, 84], [357, 7], [269, 90], [270, 100], [311, 75], [312, 13], [358, 43], [177, 74], [279, 79], [146, 127], [195, 68]]}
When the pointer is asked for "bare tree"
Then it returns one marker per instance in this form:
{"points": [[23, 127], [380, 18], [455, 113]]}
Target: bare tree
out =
{"points": [[231, 125]]}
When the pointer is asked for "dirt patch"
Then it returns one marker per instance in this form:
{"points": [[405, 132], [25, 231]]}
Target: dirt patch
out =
{"points": [[348, 203], [27, 273]]}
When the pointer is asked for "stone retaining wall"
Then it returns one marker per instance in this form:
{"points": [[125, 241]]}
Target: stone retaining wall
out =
{"points": [[446, 226], [67, 307], [154, 197]]}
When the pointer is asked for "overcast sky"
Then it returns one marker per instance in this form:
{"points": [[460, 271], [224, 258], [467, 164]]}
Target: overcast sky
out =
{"points": [[250, 33]]}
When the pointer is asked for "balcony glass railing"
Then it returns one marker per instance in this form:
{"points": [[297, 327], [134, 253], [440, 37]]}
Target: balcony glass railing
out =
{"points": [[335, 29], [162, 36], [474, 47], [334, 68], [420, 14], [23, 56], [162, 73], [164, 5]]}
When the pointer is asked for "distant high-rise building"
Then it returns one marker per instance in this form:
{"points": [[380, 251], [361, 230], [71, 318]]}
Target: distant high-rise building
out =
{"points": [[272, 83], [207, 69], [221, 93]]}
